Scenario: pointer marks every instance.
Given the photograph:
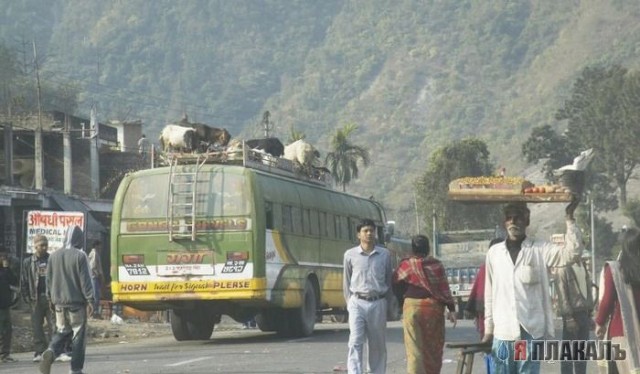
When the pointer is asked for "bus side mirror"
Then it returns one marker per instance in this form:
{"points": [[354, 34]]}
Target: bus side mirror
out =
{"points": [[390, 228]]}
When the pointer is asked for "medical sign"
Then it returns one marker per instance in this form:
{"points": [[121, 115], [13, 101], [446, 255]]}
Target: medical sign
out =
{"points": [[53, 225]]}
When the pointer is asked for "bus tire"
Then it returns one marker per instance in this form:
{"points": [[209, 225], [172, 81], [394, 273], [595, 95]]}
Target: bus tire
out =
{"points": [[200, 327], [179, 326], [302, 320], [266, 321]]}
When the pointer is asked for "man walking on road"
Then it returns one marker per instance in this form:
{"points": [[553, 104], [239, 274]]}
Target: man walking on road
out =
{"points": [[70, 292], [366, 285], [34, 292]]}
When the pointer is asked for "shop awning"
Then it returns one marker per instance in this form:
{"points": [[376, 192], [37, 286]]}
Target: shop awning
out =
{"points": [[68, 203]]}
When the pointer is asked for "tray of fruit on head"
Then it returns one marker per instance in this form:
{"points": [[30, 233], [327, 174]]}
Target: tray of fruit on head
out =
{"points": [[506, 189]]}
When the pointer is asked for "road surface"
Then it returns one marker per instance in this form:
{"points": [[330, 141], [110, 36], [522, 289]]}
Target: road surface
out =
{"points": [[235, 351]]}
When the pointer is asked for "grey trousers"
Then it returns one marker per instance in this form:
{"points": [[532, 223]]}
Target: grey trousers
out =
{"points": [[367, 324]]}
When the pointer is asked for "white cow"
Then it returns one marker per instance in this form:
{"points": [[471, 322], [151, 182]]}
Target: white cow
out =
{"points": [[301, 152], [174, 137]]}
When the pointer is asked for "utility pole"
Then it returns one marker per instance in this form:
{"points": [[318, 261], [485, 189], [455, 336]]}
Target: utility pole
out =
{"points": [[38, 173], [268, 126], [593, 239], [415, 206], [436, 251], [94, 155], [66, 155]]}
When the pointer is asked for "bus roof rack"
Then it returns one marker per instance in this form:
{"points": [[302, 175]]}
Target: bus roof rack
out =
{"points": [[253, 159]]}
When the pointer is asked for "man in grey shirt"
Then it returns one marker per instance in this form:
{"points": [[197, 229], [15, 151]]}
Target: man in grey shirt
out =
{"points": [[70, 292], [366, 285]]}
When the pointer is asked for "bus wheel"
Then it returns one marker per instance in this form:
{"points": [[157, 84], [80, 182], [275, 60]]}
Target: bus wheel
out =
{"points": [[200, 326], [179, 326], [303, 319], [266, 321]]}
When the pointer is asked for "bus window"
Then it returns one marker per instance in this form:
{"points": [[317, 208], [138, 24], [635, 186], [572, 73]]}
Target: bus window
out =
{"points": [[296, 216], [225, 195], [287, 223], [344, 228], [268, 210], [464, 275], [146, 197], [337, 222], [380, 234], [331, 226], [450, 276], [306, 221], [314, 223], [352, 230]]}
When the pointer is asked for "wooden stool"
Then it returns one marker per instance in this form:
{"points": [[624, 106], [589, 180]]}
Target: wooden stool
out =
{"points": [[467, 353]]}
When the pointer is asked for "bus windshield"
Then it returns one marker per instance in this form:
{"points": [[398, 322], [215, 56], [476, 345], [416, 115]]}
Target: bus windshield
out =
{"points": [[223, 194]]}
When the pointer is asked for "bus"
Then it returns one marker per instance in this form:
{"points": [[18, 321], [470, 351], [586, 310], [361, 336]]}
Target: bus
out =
{"points": [[241, 234]]}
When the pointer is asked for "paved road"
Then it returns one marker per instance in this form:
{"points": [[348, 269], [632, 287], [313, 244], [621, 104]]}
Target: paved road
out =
{"points": [[232, 350]]}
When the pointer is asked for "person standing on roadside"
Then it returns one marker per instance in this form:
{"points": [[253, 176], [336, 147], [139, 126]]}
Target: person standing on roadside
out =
{"points": [[420, 284], [34, 292], [618, 316], [7, 280], [97, 275], [70, 293], [366, 285], [575, 304], [516, 293]]}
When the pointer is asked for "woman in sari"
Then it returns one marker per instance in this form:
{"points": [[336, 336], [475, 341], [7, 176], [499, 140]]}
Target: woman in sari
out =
{"points": [[420, 284], [620, 302]]}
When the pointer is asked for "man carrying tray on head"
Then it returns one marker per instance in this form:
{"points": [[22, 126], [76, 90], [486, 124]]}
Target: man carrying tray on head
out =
{"points": [[517, 300]]}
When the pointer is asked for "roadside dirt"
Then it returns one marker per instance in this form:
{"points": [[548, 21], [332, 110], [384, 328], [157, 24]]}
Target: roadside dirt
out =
{"points": [[100, 330]]}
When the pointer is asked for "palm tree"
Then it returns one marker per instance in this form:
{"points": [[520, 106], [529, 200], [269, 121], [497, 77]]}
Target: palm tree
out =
{"points": [[295, 135], [342, 161]]}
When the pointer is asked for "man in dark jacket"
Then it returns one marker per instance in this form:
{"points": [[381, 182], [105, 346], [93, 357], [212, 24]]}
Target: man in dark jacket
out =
{"points": [[7, 279], [70, 292], [34, 292]]}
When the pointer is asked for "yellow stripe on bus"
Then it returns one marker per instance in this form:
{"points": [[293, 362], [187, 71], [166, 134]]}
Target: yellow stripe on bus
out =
{"points": [[188, 286], [283, 252]]}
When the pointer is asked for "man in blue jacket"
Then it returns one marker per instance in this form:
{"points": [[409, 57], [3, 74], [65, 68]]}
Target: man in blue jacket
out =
{"points": [[70, 293]]}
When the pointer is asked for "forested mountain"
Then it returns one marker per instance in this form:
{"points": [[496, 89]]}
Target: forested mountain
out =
{"points": [[412, 74]]}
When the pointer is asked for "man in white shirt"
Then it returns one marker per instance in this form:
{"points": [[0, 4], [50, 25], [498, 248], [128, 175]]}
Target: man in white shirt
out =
{"points": [[517, 300], [366, 286]]}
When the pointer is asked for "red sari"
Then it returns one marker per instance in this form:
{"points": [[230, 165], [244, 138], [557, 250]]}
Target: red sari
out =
{"points": [[423, 318]]}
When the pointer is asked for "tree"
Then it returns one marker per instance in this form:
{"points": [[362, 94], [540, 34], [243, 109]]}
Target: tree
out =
{"points": [[632, 210], [295, 135], [464, 158], [344, 157], [603, 113], [545, 143], [557, 150]]}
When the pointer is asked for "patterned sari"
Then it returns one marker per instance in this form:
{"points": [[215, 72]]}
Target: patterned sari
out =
{"points": [[423, 319]]}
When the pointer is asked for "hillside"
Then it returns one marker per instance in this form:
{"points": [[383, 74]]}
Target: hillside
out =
{"points": [[413, 74]]}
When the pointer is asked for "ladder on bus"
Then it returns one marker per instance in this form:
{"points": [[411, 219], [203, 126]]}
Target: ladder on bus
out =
{"points": [[182, 207]]}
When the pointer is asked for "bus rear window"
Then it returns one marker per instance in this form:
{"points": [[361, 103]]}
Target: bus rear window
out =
{"points": [[218, 194]]}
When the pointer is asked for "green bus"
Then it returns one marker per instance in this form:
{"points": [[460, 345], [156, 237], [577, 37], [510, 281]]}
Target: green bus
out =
{"points": [[241, 234]]}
